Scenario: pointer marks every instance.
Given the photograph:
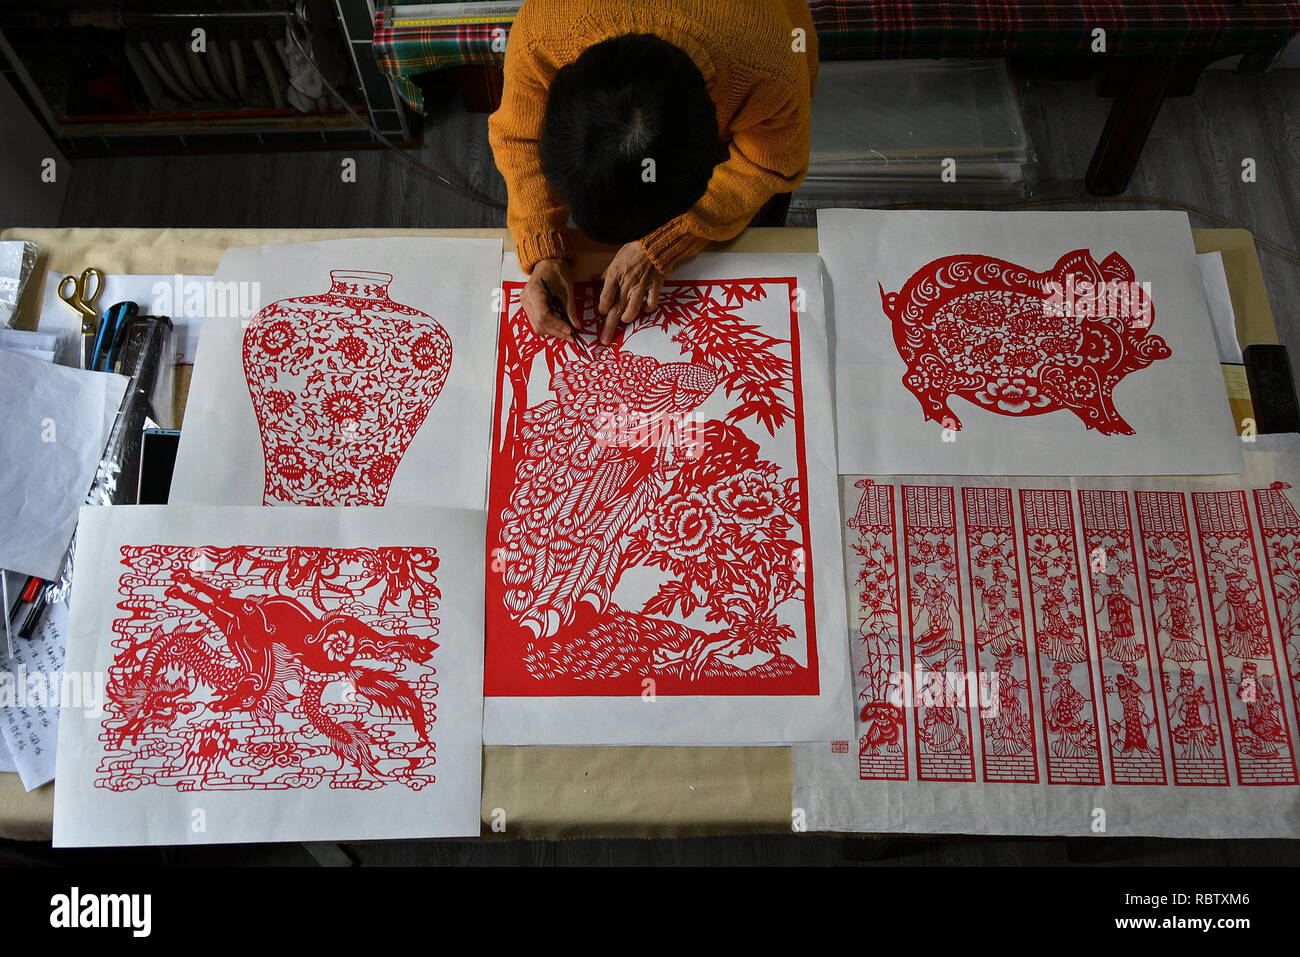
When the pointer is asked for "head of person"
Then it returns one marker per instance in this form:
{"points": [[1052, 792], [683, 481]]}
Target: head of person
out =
{"points": [[630, 136]]}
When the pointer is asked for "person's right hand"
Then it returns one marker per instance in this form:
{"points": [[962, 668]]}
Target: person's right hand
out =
{"points": [[544, 320]]}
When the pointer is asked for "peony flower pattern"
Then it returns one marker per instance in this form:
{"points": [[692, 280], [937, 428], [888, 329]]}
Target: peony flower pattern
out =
{"points": [[343, 408], [276, 338], [425, 352], [290, 463], [355, 349], [685, 524], [751, 497]]}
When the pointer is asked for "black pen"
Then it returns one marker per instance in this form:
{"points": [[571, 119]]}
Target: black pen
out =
{"points": [[33, 616], [31, 588]]}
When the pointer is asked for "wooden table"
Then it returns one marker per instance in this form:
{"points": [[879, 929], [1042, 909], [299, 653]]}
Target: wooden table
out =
{"points": [[553, 792]]}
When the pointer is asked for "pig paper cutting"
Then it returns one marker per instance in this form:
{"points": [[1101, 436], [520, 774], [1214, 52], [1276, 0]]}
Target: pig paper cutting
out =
{"points": [[1017, 342]]}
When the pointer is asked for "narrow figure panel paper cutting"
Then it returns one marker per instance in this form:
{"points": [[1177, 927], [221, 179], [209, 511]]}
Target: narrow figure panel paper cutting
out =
{"points": [[1248, 664], [264, 668], [647, 515], [943, 732], [1156, 627], [1056, 595], [1007, 718], [1191, 702], [1280, 526], [1127, 675], [877, 652]]}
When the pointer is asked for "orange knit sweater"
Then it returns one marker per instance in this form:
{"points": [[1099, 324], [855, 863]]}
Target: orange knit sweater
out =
{"points": [[762, 88]]}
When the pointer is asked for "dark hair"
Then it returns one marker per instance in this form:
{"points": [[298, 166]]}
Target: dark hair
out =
{"points": [[625, 100]]}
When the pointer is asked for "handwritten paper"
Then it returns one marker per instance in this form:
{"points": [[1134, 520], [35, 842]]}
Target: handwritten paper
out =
{"points": [[33, 684]]}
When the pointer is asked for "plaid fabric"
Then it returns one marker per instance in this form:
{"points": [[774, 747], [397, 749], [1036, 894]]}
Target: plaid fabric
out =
{"points": [[860, 30], [406, 51]]}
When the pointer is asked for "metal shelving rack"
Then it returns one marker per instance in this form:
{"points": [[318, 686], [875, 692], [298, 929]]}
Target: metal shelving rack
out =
{"points": [[167, 124], [387, 112]]}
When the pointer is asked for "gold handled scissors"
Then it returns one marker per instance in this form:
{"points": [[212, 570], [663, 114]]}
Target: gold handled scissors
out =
{"points": [[81, 293]]}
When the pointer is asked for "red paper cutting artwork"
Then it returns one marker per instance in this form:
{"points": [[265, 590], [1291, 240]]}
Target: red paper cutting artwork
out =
{"points": [[943, 733], [340, 383], [1007, 721], [1260, 736], [265, 668], [1127, 676], [1118, 624], [1280, 526], [630, 537], [1069, 705], [1186, 674], [1023, 343], [882, 738]]}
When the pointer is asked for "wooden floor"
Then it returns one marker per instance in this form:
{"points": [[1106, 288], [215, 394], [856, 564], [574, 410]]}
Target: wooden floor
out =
{"points": [[1194, 156]]}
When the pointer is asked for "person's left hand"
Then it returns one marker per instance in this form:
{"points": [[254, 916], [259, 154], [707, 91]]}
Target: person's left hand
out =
{"points": [[631, 282]]}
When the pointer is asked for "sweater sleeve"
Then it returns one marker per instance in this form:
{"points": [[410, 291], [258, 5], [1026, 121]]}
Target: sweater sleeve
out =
{"points": [[535, 214], [768, 154]]}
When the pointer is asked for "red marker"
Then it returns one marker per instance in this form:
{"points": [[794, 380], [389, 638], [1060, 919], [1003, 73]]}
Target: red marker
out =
{"points": [[31, 591]]}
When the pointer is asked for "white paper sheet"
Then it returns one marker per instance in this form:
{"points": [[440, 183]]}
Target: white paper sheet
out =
{"points": [[344, 419], [266, 674], [987, 337], [1219, 301], [32, 683], [753, 696], [11, 586], [1178, 716], [57, 422], [183, 298], [37, 345], [7, 765], [34, 354]]}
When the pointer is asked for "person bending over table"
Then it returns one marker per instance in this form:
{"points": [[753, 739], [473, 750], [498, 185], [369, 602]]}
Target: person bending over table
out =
{"points": [[658, 127]]}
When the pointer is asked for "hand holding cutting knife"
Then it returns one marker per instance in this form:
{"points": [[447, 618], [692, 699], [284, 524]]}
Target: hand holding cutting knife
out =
{"points": [[555, 305], [548, 303]]}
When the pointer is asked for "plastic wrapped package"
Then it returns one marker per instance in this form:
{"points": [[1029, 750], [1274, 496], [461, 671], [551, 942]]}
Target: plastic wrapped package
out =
{"points": [[886, 127], [17, 260], [148, 359]]}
